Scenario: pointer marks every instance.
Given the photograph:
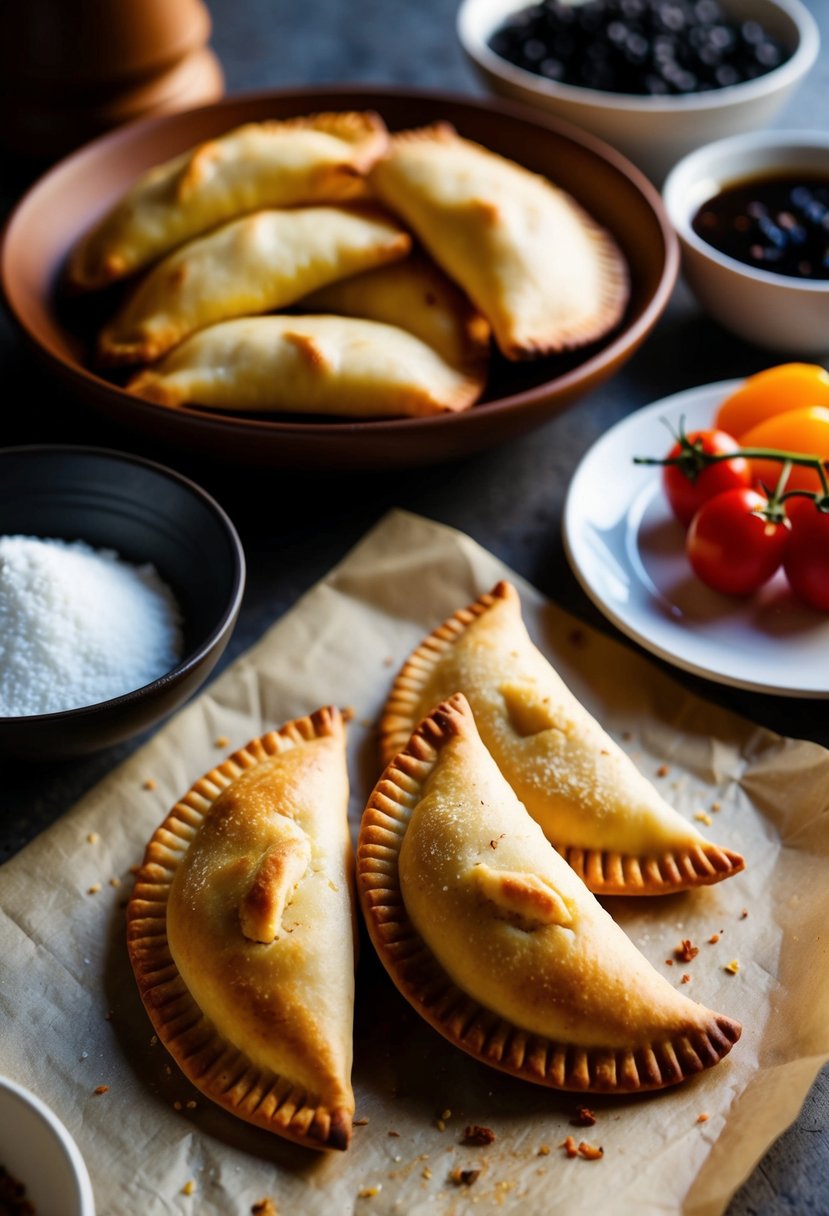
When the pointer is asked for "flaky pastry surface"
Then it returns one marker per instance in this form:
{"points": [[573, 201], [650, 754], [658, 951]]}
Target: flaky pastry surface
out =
{"points": [[592, 803], [497, 942], [240, 933]]}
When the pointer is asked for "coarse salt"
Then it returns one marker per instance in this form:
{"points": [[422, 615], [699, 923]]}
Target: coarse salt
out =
{"points": [[79, 626]]}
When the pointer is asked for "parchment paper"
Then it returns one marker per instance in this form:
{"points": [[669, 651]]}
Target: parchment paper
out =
{"points": [[71, 1019]]}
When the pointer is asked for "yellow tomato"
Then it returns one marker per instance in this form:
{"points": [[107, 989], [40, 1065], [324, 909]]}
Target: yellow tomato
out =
{"points": [[789, 386], [805, 431]]}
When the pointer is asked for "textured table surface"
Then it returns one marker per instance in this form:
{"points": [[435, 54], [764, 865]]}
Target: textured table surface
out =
{"points": [[510, 500]]}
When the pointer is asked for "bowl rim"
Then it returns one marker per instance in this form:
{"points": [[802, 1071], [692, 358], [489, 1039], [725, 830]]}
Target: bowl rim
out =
{"points": [[67, 1143], [789, 72], [220, 423], [229, 613], [681, 205]]}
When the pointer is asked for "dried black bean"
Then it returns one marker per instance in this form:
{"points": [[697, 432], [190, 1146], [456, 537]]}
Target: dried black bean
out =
{"points": [[637, 46]]}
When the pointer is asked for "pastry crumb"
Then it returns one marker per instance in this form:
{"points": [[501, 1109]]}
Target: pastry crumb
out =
{"points": [[462, 1177], [716, 806], [475, 1134], [221, 741], [264, 1207], [440, 1124], [149, 784], [446, 1114], [114, 882], [669, 962], [702, 1117], [189, 1187], [93, 838], [583, 1117], [590, 1152], [426, 1173], [101, 1089], [569, 1146], [713, 939], [663, 770], [94, 889], [704, 817], [177, 1105], [543, 1150], [744, 914], [392, 1133], [388, 661], [362, 1122], [732, 968], [191, 1105], [686, 978], [368, 1192], [154, 1040], [686, 951]]}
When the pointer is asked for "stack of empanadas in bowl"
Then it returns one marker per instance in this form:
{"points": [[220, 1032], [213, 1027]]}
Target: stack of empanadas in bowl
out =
{"points": [[502, 808], [400, 257]]}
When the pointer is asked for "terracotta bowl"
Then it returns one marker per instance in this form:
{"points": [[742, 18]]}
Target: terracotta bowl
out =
{"points": [[64, 203]]}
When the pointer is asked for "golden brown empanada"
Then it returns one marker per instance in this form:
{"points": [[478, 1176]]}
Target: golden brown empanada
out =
{"points": [[281, 163], [545, 275], [414, 295], [591, 801], [308, 365], [260, 263], [240, 933], [498, 944]]}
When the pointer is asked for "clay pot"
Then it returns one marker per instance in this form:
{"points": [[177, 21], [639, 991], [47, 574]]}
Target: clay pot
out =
{"points": [[71, 71]]}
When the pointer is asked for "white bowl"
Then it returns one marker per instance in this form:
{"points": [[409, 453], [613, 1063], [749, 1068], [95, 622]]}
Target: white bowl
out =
{"points": [[37, 1150], [653, 131], [775, 311]]}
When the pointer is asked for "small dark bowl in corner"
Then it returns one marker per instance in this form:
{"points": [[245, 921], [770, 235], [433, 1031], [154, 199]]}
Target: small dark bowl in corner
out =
{"points": [[146, 513]]}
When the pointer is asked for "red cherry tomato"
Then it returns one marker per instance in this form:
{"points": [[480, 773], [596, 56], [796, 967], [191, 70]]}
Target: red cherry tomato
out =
{"points": [[686, 496], [732, 549], [806, 561]]}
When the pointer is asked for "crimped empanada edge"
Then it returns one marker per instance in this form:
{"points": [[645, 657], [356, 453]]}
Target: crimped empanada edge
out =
{"points": [[458, 1017], [605, 872], [218, 1069]]}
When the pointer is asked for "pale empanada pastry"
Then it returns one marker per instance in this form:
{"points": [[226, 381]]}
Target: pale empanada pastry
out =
{"points": [[281, 163], [415, 295], [240, 932], [496, 942], [260, 263], [591, 801], [545, 275], [308, 365]]}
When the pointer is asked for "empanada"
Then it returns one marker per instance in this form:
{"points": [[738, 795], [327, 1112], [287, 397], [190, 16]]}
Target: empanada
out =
{"points": [[281, 163], [260, 263], [545, 275], [591, 801], [240, 933], [498, 944], [308, 365], [414, 295]]}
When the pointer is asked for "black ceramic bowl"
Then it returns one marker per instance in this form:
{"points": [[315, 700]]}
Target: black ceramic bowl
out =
{"points": [[146, 513]]}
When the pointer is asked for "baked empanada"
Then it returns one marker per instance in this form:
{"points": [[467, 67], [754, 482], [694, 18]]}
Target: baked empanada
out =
{"points": [[240, 933], [414, 295], [496, 942], [545, 275], [308, 365], [591, 801], [260, 263], [282, 163]]}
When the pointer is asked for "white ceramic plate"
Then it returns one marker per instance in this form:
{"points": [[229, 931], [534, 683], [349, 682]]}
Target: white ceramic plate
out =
{"points": [[626, 550]]}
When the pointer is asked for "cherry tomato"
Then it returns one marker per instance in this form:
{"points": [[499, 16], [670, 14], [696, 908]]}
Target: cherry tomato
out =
{"points": [[686, 496], [806, 560], [732, 549], [805, 430], [777, 390]]}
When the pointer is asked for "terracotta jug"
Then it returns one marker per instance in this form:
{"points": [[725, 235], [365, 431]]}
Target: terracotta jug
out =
{"points": [[70, 69]]}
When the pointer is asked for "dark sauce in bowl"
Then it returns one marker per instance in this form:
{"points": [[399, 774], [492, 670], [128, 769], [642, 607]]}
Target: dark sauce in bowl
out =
{"points": [[776, 223]]}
